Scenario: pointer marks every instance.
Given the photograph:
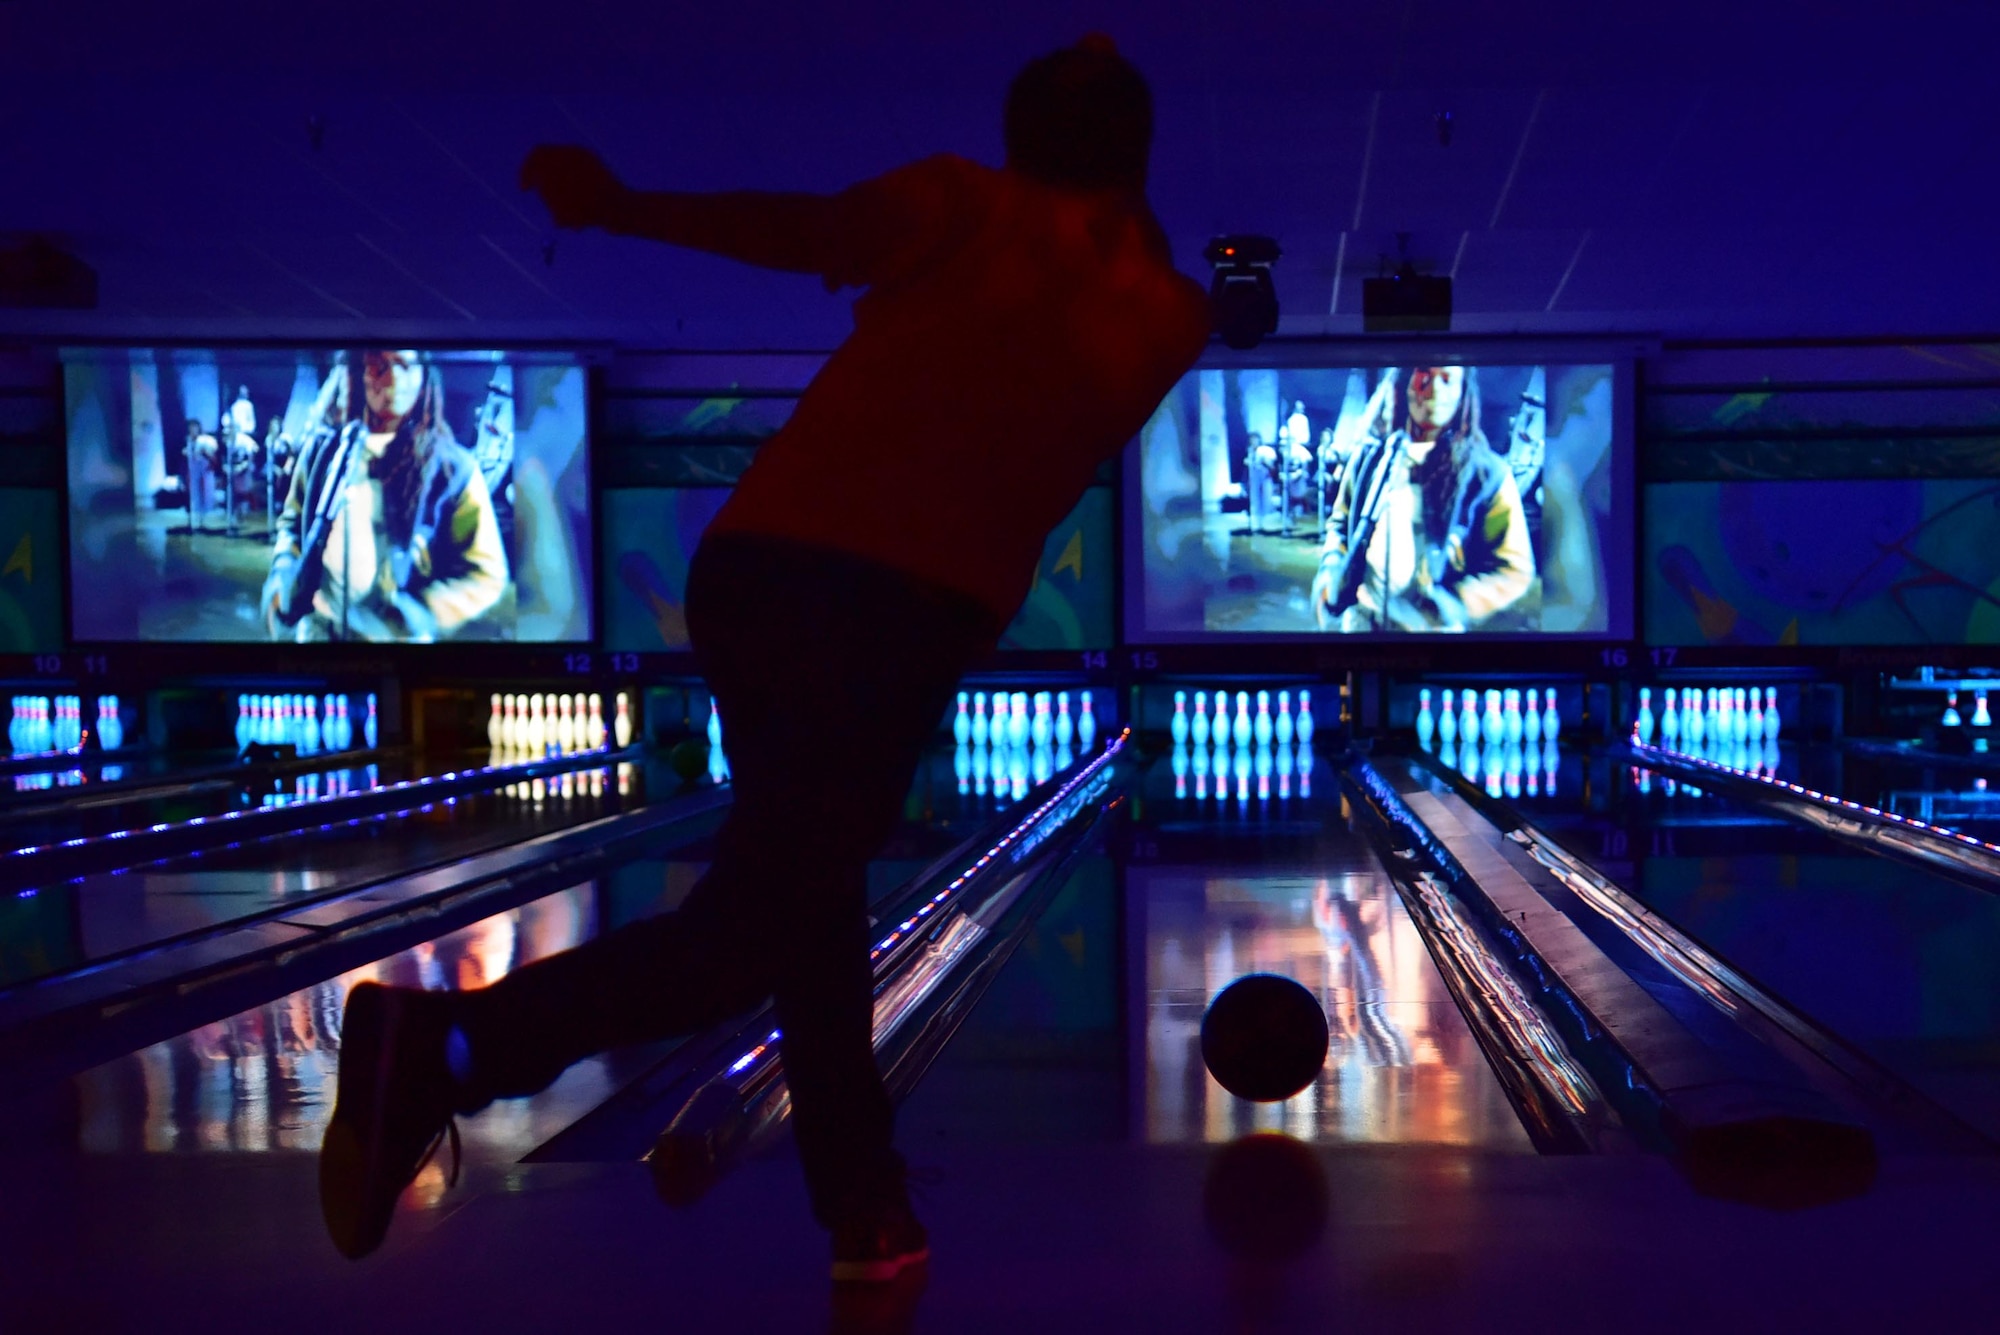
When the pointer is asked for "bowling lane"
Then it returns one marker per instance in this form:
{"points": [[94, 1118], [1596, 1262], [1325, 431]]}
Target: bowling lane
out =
{"points": [[1894, 958], [1092, 1031], [61, 927], [263, 1081]]}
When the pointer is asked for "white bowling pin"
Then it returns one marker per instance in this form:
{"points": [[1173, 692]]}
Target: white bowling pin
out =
{"points": [[1261, 726], [1426, 725], [621, 721], [1951, 718], [565, 723], [1303, 729], [1281, 727], [1240, 731], [371, 728], [1086, 728], [979, 729], [1642, 726], [1447, 723], [1178, 727], [596, 728], [1981, 716], [1771, 721], [1551, 724], [493, 722], [1198, 725], [1042, 730], [1531, 721], [1670, 722], [1493, 727], [1468, 721], [1756, 728], [1222, 729], [1515, 728], [1065, 728], [1742, 719], [961, 723]]}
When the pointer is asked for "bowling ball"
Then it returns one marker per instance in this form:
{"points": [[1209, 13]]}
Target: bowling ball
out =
{"points": [[1264, 1038], [689, 759]]}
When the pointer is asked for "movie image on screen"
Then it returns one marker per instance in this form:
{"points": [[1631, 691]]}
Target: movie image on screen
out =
{"points": [[379, 495], [1412, 500]]}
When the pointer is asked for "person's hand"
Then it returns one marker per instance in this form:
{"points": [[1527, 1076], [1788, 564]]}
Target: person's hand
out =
{"points": [[1322, 595], [575, 185]]}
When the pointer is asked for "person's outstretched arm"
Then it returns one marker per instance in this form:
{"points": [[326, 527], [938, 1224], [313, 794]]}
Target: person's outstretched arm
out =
{"points": [[843, 237]]}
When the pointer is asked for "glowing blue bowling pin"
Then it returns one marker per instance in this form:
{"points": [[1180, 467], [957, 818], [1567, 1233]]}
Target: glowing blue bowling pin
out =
{"points": [[1493, 727], [961, 723], [1670, 723], [1515, 728], [1551, 723], [1693, 726], [1198, 732], [1303, 728], [1281, 727], [1179, 728], [1065, 728], [371, 729], [1086, 728], [1772, 723], [1261, 728], [110, 723], [1642, 726], [1180, 769], [1017, 721], [1740, 723], [1951, 717], [1426, 725], [1447, 724], [1531, 721], [1755, 732], [1468, 721], [1240, 731], [1043, 729], [714, 728]]}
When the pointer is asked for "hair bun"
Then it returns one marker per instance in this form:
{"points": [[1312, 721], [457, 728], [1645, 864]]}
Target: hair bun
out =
{"points": [[1098, 44]]}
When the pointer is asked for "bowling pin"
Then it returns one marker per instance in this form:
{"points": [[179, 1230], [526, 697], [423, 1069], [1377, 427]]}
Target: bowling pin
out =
{"points": [[371, 728], [1531, 721], [1240, 731], [1086, 728], [1426, 725], [1493, 727], [1198, 725], [1303, 729], [718, 763], [1512, 770], [1221, 731], [1261, 727], [979, 728], [1693, 726], [1065, 728], [1756, 729], [714, 725], [621, 721], [1515, 728], [1281, 727], [309, 727], [1642, 726], [1017, 724], [1551, 764], [493, 723], [110, 723], [981, 764], [1468, 721], [1042, 730], [1771, 721], [1951, 718], [1178, 729], [1981, 716], [565, 724], [961, 723], [596, 727], [1551, 725], [1305, 759], [1741, 728], [1670, 722]]}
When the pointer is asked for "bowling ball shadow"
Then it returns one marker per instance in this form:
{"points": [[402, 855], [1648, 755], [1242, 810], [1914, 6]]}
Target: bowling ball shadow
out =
{"points": [[1266, 1198], [1264, 1038]]}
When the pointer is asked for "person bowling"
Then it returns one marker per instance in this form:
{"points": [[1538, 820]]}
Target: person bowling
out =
{"points": [[1017, 326]]}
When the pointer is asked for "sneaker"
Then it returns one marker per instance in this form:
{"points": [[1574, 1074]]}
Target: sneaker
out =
{"points": [[876, 1248], [394, 1107]]}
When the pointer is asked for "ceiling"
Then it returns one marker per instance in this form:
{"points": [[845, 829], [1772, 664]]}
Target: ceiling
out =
{"points": [[1801, 169]]}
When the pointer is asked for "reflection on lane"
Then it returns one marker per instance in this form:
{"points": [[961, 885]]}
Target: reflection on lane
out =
{"points": [[1402, 1066], [263, 1081]]}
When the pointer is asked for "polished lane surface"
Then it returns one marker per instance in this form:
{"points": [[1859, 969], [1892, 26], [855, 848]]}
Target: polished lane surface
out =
{"points": [[1892, 957], [55, 928]]}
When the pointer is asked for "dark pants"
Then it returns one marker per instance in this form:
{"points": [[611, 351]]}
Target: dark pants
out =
{"points": [[831, 674]]}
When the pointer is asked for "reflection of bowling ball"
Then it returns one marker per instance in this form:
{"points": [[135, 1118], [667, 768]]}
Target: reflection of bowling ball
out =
{"points": [[1265, 1198], [689, 759], [1264, 1038]]}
